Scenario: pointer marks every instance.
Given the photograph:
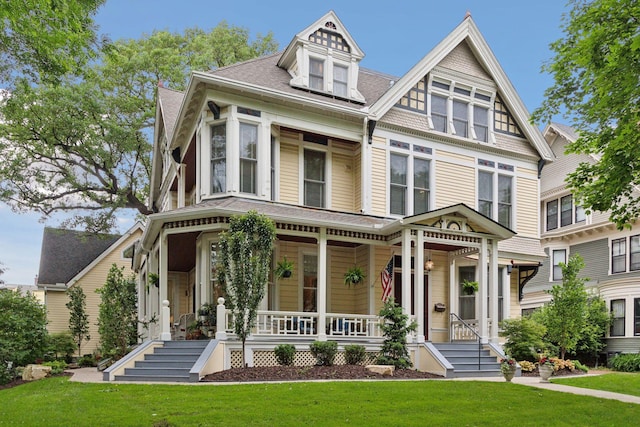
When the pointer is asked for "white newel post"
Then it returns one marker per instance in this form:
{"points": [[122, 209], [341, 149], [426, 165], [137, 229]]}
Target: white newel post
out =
{"points": [[221, 320], [166, 329]]}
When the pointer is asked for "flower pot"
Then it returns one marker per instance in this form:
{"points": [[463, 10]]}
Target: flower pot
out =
{"points": [[508, 373], [286, 274], [545, 372]]}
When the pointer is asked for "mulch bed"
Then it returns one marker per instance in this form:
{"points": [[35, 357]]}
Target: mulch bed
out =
{"points": [[306, 373]]}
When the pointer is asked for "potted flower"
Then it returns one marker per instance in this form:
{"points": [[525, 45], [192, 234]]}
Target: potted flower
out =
{"points": [[353, 276], [469, 287], [545, 368], [284, 269], [508, 367]]}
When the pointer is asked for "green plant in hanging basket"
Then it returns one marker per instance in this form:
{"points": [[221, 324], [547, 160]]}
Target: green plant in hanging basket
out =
{"points": [[353, 276], [469, 287], [284, 269]]}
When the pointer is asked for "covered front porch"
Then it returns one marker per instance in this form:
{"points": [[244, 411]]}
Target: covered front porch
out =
{"points": [[427, 257]]}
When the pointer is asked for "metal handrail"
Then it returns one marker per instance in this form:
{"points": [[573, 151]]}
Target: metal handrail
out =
{"points": [[474, 333]]}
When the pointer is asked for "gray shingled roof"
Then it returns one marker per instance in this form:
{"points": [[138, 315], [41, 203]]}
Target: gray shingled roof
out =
{"points": [[66, 252], [170, 101], [568, 130], [264, 72]]}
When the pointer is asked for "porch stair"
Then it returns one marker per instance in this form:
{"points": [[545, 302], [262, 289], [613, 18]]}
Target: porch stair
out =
{"points": [[464, 358], [169, 363]]}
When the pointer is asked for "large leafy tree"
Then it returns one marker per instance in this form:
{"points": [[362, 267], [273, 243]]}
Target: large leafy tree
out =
{"points": [[596, 71], [44, 39], [82, 146], [245, 261], [23, 331]]}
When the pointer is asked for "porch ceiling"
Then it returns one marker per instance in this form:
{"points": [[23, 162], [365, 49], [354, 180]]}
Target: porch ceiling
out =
{"points": [[182, 251]]}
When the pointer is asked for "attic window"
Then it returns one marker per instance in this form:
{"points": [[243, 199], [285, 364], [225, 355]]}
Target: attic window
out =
{"points": [[329, 39], [503, 120]]}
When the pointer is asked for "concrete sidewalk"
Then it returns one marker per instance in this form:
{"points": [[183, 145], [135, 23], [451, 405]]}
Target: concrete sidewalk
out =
{"points": [[92, 375]]}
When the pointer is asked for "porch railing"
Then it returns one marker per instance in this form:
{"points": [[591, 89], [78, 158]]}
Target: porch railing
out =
{"points": [[294, 323], [458, 324]]}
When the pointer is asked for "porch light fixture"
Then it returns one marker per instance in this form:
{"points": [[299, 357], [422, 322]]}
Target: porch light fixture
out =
{"points": [[510, 267], [428, 265]]}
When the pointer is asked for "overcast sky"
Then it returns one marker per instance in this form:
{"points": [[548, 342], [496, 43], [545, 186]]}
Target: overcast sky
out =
{"points": [[393, 35]]}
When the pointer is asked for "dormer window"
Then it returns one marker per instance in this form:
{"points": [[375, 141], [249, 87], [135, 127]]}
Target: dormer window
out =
{"points": [[316, 74], [329, 39], [340, 80]]}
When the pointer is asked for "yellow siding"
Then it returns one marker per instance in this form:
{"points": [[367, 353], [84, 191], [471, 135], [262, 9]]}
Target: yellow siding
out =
{"points": [[514, 301], [361, 303], [357, 181], [439, 292], [342, 296], [454, 184], [527, 214], [379, 182], [289, 172], [288, 288], [95, 278], [382, 256], [342, 182]]}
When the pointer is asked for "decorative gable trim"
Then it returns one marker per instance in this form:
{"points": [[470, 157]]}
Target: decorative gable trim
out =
{"points": [[467, 30]]}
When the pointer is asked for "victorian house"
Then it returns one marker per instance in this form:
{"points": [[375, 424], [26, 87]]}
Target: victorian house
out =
{"points": [[431, 177]]}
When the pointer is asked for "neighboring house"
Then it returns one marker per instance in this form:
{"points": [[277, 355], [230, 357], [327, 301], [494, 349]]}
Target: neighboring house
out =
{"points": [[24, 289], [611, 257], [76, 258], [435, 171]]}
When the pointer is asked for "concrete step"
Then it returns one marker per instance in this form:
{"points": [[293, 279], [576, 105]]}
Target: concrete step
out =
{"points": [[456, 346], [169, 363], [200, 344], [470, 359], [163, 378], [477, 374], [177, 350], [474, 366], [172, 356], [156, 372], [457, 353]]}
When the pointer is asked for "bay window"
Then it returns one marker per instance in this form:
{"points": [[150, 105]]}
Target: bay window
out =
{"points": [[618, 255], [634, 253], [617, 314], [219, 158], [248, 158]]}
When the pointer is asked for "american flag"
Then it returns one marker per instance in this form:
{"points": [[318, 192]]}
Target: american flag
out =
{"points": [[386, 277]]}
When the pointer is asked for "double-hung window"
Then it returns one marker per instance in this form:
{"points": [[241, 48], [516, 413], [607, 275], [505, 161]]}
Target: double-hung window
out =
{"points": [[461, 118], [559, 256], [248, 158], [552, 215], [340, 80], [314, 178], [219, 158], [504, 200], [398, 184], [439, 113], [481, 123], [636, 317], [634, 253], [316, 74], [619, 255], [617, 313], [566, 210], [420, 185], [485, 193]]}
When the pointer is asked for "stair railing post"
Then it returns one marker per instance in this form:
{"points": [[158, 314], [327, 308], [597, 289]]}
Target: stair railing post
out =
{"points": [[221, 320], [166, 329]]}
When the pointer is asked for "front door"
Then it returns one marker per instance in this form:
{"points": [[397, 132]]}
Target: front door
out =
{"points": [[397, 295]]}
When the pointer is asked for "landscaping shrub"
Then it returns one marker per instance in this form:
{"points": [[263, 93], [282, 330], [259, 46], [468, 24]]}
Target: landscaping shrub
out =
{"points": [[629, 362], [524, 338], [7, 368], [324, 352], [580, 366], [87, 361], [395, 328], [61, 345], [57, 366], [526, 366], [285, 354], [354, 354], [23, 332]]}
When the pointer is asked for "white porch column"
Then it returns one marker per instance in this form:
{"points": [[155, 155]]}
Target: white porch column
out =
{"points": [[419, 284], [406, 271], [163, 272], [322, 284], [481, 300], [493, 291], [181, 185]]}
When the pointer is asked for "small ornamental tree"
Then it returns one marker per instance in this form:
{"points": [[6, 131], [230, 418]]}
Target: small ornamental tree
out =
{"points": [[565, 316], [23, 328], [245, 262], [597, 322], [395, 329], [118, 315], [78, 317]]}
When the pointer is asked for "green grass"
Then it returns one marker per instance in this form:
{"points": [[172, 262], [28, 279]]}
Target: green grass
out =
{"points": [[58, 402], [626, 383]]}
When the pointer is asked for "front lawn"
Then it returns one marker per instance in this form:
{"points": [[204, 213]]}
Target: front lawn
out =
{"points": [[58, 402], [626, 383]]}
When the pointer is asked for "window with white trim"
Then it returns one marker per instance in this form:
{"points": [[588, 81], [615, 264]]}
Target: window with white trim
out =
{"points": [[421, 172], [398, 184], [495, 193], [619, 255], [314, 178], [634, 253], [467, 302], [248, 158], [340, 80], [409, 178], [316, 74], [563, 212], [310, 283], [636, 317], [219, 158], [617, 314], [558, 256]]}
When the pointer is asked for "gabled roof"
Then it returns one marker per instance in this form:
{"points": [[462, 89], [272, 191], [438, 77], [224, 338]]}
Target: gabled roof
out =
{"points": [[466, 31], [66, 252], [288, 56], [169, 102]]}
